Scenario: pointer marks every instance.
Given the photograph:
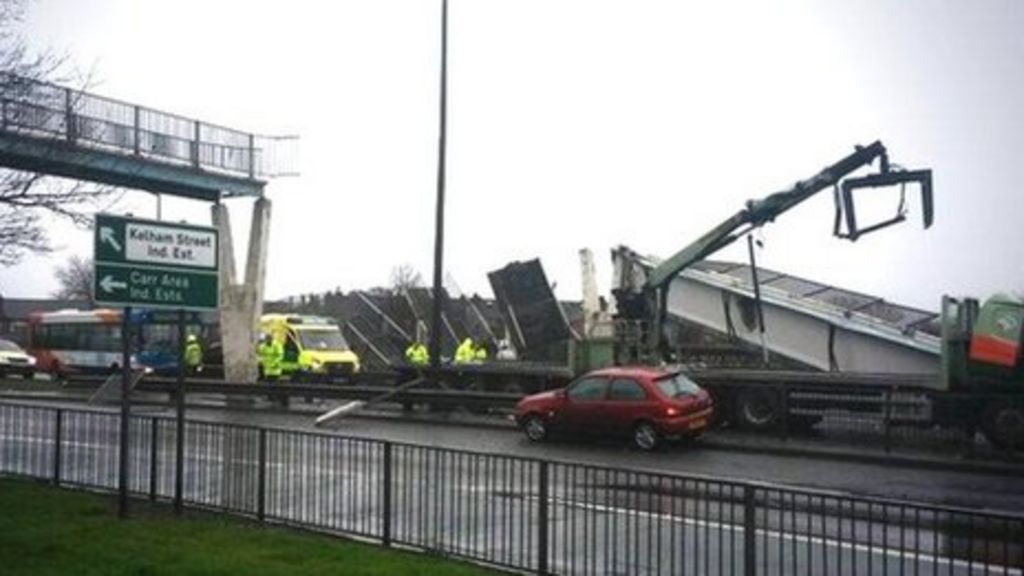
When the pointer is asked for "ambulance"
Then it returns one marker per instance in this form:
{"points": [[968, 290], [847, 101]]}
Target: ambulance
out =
{"points": [[314, 347]]}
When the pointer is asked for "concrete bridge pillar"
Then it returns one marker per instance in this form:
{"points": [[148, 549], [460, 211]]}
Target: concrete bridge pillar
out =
{"points": [[241, 305]]}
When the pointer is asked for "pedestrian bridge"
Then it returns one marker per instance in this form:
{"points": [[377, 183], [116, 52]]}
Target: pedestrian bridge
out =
{"points": [[60, 131]]}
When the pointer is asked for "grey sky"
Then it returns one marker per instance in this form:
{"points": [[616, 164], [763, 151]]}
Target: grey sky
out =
{"points": [[582, 124]]}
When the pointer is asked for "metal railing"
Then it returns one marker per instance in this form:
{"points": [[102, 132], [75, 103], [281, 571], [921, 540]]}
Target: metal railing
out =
{"points": [[866, 420], [518, 513], [38, 109]]}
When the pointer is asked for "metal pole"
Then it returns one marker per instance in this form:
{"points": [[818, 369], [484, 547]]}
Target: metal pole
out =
{"points": [[154, 444], [58, 433], [435, 316], [126, 374], [252, 157], [749, 531], [195, 143], [69, 117], [543, 492], [757, 298], [386, 494], [136, 145], [261, 487], [179, 405]]}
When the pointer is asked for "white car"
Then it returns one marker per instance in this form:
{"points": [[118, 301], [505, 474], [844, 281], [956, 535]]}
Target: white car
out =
{"points": [[14, 360]]}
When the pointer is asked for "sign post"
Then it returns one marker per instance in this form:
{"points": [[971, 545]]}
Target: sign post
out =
{"points": [[154, 264]]}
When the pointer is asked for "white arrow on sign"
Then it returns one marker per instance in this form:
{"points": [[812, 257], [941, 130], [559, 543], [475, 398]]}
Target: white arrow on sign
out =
{"points": [[107, 235], [109, 284]]}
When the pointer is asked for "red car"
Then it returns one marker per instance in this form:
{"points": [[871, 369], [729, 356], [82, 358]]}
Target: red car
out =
{"points": [[646, 403]]}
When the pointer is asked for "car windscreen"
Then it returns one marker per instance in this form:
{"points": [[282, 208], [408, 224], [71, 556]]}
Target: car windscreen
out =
{"points": [[322, 340], [677, 386], [8, 346]]}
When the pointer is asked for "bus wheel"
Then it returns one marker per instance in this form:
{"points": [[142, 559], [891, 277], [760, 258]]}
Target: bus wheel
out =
{"points": [[1003, 425], [757, 409]]}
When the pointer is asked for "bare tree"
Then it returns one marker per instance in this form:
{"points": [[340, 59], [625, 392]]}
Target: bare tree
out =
{"points": [[27, 199], [75, 279], [404, 277]]}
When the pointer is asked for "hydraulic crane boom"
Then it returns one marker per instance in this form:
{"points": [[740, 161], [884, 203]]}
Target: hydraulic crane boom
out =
{"points": [[759, 212]]}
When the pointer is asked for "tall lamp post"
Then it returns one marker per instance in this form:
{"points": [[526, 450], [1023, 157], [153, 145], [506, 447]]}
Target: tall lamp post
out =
{"points": [[435, 316]]}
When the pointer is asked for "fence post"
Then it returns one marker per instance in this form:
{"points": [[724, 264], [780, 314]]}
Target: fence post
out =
{"points": [[69, 116], [386, 505], [749, 531], [58, 433], [137, 146], [542, 518], [261, 486], [154, 441], [252, 156], [195, 145]]}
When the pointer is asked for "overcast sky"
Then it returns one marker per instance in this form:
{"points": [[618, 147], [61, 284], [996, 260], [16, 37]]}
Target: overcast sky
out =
{"points": [[580, 124]]}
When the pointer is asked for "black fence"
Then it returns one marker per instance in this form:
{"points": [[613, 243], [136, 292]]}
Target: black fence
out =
{"points": [[518, 513]]}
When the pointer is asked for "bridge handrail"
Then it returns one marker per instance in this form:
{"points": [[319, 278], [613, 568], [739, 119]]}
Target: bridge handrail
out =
{"points": [[88, 120]]}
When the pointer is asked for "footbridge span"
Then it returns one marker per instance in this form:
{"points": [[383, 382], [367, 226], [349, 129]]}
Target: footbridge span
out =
{"points": [[61, 131]]}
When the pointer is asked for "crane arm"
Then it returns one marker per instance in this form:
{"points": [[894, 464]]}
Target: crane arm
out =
{"points": [[759, 212]]}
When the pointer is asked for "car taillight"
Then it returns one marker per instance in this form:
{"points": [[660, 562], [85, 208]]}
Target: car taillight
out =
{"points": [[671, 411]]}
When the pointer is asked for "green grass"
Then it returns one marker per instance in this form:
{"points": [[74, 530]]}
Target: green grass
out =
{"points": [[44, 530]]}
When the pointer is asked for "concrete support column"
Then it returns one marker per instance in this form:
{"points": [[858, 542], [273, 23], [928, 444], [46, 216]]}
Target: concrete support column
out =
{"points": [[241, 305]]}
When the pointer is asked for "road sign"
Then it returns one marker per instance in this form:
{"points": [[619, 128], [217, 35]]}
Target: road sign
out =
{"points": [[155, 264]]}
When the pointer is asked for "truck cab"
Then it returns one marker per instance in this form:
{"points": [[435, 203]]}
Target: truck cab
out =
{"points": [[314, 347]]}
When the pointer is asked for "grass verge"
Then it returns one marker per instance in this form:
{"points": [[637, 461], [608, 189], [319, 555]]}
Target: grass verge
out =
{"points": [[44, 530]]}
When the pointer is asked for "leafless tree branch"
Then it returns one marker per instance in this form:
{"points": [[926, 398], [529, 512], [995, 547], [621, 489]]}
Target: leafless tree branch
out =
{"points": [[74, 279], [26, 198]]}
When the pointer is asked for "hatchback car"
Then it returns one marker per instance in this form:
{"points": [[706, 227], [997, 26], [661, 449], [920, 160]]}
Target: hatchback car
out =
{"points": [[14, 360], [647, 404]]}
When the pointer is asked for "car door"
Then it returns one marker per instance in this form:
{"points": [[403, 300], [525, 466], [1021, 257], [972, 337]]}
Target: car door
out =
{"points": [[584, 402], [626, 403]]}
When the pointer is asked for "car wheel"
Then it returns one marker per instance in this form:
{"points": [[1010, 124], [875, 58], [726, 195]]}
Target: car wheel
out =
{"points": [[645, 436], [535, 428], [28, 374]]}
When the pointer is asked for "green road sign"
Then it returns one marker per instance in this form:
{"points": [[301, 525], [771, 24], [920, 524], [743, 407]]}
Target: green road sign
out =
{"points": [[155, 264]]}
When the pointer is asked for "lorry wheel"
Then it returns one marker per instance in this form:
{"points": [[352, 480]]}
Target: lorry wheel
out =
{"points": [[1003, 425], [757, 409]]}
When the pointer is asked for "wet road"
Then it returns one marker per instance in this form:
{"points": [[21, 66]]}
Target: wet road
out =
{"points": [[967, 489]]}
